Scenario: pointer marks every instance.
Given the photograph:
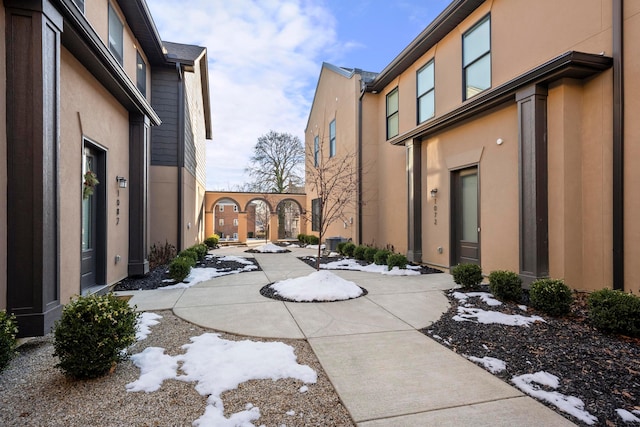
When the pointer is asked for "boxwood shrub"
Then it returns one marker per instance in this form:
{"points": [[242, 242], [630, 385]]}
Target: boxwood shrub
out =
{"points": [[358, 252], [380, 257], [551, 296], [180, 267], [615, 311], [467, 275], [396, 260], [200, 250], [505, 285], [312, 240], [92, 333], [369, 253], [8, 332], [189, 253], [349, 248], [212, 241], [340, 247]]}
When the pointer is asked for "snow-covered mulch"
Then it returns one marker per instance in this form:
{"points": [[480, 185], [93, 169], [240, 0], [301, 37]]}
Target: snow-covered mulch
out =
{"points": [[319, 286], [202, 274], [268, 248]]}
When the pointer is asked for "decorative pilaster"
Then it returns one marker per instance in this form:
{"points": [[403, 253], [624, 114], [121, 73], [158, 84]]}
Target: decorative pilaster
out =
{"points": [[138, 194], [414, 197]]}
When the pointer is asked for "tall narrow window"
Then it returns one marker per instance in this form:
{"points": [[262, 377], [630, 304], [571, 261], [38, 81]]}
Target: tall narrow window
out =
{"points": [[392, 114], [141, 74], [221, 207], [426, 92], [221, 222], [235, 222], [115, 35], [332, 138], [476, 58], [316, 214], [316, 150]]}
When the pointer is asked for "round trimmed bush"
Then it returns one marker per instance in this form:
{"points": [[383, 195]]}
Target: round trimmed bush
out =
{"points": [[8, 332], [396, 260], [467, 275], [312, 240], [92, 333], [180, 268], [189, 253], [212, 242], [201, 250], [551, 296], [369, 253], [380, 257], [358, 252], [349, 248], [615, 312], [302, 238], [505, 285], [340, 247]]}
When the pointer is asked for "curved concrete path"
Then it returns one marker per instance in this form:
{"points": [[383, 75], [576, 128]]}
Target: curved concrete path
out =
{"points": [[385, 371]]}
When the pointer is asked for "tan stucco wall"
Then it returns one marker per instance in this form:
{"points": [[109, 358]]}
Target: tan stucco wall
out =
{"points": [[370, 160], [163, 200], [3, 170], [88, 110]]}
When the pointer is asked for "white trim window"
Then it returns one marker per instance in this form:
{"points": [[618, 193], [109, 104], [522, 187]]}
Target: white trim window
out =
{"points": [[332, 138]]}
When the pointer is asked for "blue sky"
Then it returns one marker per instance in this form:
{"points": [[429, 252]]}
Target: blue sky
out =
{"points": [[265, 58]]}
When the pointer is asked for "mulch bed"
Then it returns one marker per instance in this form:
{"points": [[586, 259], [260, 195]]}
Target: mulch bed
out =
{"points": [[602, 370], [269, 292], [311, 260], [155, 278]]}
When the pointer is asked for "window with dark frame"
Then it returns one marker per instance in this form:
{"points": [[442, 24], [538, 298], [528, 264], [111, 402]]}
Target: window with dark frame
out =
{"points": [[426, 92], [476, 58], [316, 150], [221, 222], [332, 138], [316, 214], [392, 114], [141, 74], [116, 30]]}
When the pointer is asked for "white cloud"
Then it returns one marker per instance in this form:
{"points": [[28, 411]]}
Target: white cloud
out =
{"points": [[264, 61]]}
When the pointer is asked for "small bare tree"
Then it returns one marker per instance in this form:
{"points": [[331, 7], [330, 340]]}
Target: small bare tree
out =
{"points": [[335, 182]]}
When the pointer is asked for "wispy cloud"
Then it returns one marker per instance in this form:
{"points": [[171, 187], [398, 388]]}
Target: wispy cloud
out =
{"points": [[264, 61]]}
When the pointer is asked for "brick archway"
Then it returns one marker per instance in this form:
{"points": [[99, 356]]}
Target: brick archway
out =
{"points": [[243, 200]]}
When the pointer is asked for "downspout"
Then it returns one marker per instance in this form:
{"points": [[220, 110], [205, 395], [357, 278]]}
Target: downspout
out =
{"points": [[618, 146], [362, 92], [180, 148]]}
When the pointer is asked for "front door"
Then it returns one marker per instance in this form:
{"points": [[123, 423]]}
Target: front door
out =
{"points": [[92, 263], [465, 217]]}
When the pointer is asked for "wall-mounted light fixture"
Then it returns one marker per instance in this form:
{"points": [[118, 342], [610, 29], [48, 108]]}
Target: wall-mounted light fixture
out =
{"points": [[434, 192], [499, 141], [122, 181]]}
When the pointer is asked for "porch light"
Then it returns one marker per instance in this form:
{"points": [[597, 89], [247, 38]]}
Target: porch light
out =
{"points": [[434, 192], [122, 181]]}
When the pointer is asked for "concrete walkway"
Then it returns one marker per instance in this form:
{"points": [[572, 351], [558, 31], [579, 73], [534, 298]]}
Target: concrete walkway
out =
{"points": [[384, 370]]}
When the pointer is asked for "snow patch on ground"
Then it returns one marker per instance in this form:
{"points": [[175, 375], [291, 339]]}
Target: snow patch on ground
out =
{"points": [[478, 315], [352, 265], [202, 274], [144, 323], [488, 298], [628, 416], [217, 365], [317, 286], [530, 384], [269, 248], [491, 364]]}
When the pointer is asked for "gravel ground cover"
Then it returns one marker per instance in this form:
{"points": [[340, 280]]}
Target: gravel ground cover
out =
{"points": [[35, 393], [601, 370], [311, 261]]}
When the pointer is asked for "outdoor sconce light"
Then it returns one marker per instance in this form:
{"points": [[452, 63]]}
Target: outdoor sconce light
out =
{"points": [[434, 192], [122, 181]]}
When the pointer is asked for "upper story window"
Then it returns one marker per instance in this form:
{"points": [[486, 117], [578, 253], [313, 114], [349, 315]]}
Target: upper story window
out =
{"points": [[426, 92], [476, 58], [316, 150], [221, 222], [332, 138], [235, 222], [116, 30], [392, 113], [235, 208], [221, 207], [141, 74], [79, 4]]}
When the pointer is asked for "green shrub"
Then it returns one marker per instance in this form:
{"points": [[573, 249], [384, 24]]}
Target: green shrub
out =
{"points": [[92, 333], [8, 332], [349, 248], [615, 311], [161, 254], [396, 260], [358, 252], [312, 240], [201, 250], [505, 285], [551, 296], [302, 238], [369, 253], [467, 275], [189, 253], [212, 242], [380, 257], [180, 268], [340, 247]]}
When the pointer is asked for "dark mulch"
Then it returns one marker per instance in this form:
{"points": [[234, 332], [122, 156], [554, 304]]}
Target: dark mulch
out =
{"points": [[269, 292], [311, 260], [602, 370], [155, 278], [255, 251]]}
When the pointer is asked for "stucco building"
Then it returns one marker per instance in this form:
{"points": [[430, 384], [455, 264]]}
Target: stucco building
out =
{"points": [[77, 83], [503, 135]]}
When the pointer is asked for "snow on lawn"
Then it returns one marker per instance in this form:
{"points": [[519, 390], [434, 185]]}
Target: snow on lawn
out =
{"points": [[484, 296], [351, 264], [530, 384], [491, 364], [144, 323], [269, 248], [478, 315], [317, 286], [202, 274], [628, 417], [219, 365]]}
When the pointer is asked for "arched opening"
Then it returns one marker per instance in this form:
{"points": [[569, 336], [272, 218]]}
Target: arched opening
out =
{"points": [[289, 214], [225, 219]]}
